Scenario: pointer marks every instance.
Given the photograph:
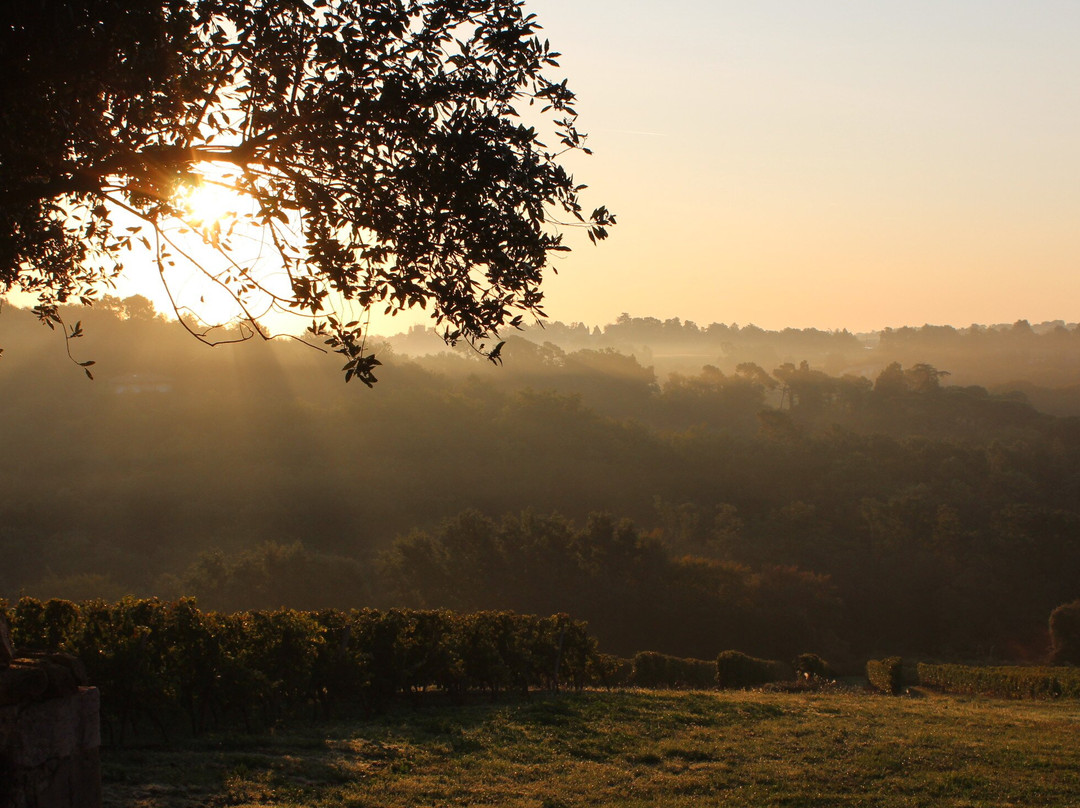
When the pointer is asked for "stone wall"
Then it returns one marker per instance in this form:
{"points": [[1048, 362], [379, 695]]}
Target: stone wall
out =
{"points": [[49, 732]]}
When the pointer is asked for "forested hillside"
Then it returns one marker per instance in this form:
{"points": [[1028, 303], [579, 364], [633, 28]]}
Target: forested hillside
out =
{"points": [[774, 507]]}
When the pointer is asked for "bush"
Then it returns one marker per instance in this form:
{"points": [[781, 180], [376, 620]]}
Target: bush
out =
{"points": [[735, 669], [1008, 682], [651, 669], [1065, 634], [886, 675], [156, 662], [811, 666], [608, 671]]}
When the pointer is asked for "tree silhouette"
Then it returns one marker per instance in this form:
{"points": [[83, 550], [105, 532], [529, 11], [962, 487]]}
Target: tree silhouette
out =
{"points": [[376, 149]]}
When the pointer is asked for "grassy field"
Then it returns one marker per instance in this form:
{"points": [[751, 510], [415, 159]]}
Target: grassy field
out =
{"points": [[633, 749]]}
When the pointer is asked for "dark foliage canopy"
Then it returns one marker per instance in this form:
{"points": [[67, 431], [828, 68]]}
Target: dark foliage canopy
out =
{"points": [[380, 145]]}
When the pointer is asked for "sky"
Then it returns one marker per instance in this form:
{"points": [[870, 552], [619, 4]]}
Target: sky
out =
{"points": [[855, 164]]}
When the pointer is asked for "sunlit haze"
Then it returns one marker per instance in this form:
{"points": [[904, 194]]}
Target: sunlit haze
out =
{"points": [[831, 165]]}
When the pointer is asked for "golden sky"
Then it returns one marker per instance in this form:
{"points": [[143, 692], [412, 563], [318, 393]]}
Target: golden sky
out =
{"points": [[854, 164], [851, 164]]}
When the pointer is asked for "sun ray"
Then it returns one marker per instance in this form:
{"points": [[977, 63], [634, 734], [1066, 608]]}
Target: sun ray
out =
{"points": [[222, 270]]}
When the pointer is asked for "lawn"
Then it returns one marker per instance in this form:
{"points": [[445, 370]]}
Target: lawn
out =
{"points": [[632, 749]]}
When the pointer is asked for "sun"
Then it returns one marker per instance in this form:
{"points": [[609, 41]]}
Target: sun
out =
{"points": [[220, 268], [210, 201]]}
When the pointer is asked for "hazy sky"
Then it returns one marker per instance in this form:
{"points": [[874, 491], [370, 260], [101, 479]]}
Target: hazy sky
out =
{"points": [[855, 164], [832, 164]]}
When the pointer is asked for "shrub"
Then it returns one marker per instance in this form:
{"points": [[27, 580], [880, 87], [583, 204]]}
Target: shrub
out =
{"points": [[1065, 634], [1008, 682], [811, 666], [608, 671], [156, 661], [735, 669], [886, 675], [651, 669]]}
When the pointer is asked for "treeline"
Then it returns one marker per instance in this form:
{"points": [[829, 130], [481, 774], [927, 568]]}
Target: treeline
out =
{"points": [[157, 663], [913, 515], [630, 588], [1044, 355], [672, 344], [1041, 357]]}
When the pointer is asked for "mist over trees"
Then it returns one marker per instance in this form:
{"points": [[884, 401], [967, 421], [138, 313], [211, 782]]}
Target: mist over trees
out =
{"points": [[1038, 360], [778, 508]]}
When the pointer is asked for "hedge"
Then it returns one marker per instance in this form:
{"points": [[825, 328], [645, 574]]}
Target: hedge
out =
{"points": [[608, 671], [155, 662], [1065, 634], [1010, 682], [886, 675], [735, 669], [812, 666], [651, 669]]}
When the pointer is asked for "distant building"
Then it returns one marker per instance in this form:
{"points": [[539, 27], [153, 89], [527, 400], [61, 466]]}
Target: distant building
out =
{"points": [[140, 383]]}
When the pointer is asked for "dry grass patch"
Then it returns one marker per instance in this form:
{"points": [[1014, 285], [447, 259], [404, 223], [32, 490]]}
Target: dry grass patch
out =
{"points": [[632, 749]]}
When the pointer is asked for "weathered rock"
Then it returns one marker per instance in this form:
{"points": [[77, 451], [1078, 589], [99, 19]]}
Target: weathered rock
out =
{"points": [[49, 732], [22, 679], [73, 664], [7, 652], [21, 683], [49, 753], [62, 681]]}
